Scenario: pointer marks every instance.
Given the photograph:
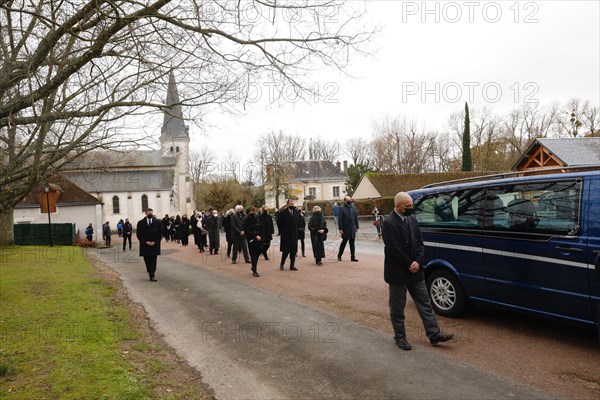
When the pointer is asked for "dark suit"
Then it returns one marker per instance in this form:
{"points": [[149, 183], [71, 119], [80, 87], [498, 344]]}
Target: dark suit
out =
{"points": [[127, 231], [239, 241], [287, 223], [212, 226], [403, 243], [149, 232], [348, 223]]}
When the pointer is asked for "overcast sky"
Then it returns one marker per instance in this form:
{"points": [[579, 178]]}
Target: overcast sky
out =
{"points": [[494, 54]]}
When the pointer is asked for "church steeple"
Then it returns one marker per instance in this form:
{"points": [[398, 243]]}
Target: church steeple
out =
{"points": [[173, 123]]}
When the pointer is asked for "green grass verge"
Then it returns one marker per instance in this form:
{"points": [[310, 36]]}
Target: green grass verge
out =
{"points": [[61, 330]]}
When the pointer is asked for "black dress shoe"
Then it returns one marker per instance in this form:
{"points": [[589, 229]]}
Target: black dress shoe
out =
{"points": [[281, 267], [354, 259], [255, 274], [293, 269], [440, 338], [403, 344], [319, 263], [266, 257], [339, 258], [153, 279]]}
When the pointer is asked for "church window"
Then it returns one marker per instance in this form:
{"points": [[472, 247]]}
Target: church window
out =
{"points": [[144, 203], [177, 149], [115, 204], [171, 149]]}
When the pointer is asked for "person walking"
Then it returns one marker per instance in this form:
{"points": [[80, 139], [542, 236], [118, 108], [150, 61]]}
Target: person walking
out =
{"points": [[185, 230], [106, 233], [212, 226], [89, 232], [301, 231], [269, 230], [377, 221], [120, 228], [336, 213], [348, 225], [166, 226], [254, 233], [404, 253], [287, 224], [238, 235], [318, 234], [127, 232], [149, 233], [227, 228]]}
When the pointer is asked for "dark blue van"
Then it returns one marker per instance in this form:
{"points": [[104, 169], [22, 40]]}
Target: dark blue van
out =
{"points": [[526, 243]]}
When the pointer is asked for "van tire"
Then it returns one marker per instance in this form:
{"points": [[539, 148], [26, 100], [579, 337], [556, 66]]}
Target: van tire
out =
{"points": [[446, 293]]}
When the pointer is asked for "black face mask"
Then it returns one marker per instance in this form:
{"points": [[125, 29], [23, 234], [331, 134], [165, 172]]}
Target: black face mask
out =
{"points": [[349, 202], [149, 215], [409, 211]]}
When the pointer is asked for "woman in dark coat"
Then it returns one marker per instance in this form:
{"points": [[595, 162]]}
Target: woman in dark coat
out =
{"points": [[267, 222], [318, 232], [185, 230], [227, 228], [301, 230], [254, 232]]}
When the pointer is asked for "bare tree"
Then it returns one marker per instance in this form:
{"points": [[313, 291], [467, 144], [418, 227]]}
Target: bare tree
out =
{"points": [[320, 149], [398, 148], [202, 164], [231, 166], [360, 151], [70, 74], [277, 150]]}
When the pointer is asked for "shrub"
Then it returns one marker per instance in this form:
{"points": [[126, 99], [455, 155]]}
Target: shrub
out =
{"points": [[85, 243]]}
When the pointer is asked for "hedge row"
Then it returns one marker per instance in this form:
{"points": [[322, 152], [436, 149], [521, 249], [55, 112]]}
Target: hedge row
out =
{"points": [[364, 207]]}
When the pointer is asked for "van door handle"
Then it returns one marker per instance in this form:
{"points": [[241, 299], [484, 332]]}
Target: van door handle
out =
{"points": [[569, 249]]}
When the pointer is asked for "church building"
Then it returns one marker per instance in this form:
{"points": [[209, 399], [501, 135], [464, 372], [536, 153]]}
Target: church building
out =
{"points": [[129, 182]]}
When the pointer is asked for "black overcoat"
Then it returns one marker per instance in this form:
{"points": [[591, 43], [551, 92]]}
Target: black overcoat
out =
{"points": [[149, 233], [348, 221], [403, 244], [315, 223], [287, 223]]}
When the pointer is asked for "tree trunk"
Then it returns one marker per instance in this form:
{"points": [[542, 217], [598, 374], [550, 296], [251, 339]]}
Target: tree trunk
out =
{"points": [[6, 226]]}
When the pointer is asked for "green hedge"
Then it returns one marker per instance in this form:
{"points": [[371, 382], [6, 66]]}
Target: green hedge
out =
{"points": [[364, 207]]}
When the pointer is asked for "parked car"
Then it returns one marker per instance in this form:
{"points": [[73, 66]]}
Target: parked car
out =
{"points": [[528, 243]]}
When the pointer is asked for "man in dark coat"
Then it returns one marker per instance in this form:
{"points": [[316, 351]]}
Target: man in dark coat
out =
{"points": [[238, 235], [212, 226], [267, 223], [403, 270], [127, 231], [149, 233], [287, 223], [348, 225]]}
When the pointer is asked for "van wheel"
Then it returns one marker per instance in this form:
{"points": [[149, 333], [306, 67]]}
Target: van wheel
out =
{"points": [[446, 293]]}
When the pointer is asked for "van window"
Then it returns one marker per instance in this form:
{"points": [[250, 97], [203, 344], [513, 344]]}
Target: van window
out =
{"points": [[544, 207], [540, 207], [456, 209]]}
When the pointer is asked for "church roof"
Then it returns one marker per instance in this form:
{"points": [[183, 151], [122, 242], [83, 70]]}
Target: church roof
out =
{"points": [[122, 181], [105, 160], [173, 122]]}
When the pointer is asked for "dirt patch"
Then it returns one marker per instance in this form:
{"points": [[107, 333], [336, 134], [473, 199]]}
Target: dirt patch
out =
{"points": [[154, 362]]}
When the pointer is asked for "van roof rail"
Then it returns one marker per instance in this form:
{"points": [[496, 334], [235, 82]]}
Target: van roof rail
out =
{"points": [[502, 175]]}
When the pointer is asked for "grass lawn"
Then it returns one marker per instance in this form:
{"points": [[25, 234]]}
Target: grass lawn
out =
{"points": [[67, 332]]}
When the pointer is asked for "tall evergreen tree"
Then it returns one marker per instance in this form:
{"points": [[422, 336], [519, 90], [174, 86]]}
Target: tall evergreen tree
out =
{"points": [[467, 161]]}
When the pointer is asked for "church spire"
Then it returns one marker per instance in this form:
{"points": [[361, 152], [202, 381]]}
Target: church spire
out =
{"points": [[173, 124]]}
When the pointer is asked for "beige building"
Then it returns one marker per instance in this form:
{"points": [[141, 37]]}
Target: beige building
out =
{"points": [[305, 181]]}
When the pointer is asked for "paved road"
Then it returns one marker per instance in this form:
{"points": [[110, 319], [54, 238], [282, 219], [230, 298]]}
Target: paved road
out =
{"points": [[251, 344]]}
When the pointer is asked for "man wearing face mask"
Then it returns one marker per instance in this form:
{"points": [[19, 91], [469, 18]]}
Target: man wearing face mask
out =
{"points": [[348, 225], [212, 226], [287, 223], [149, 233], [404, 254]]}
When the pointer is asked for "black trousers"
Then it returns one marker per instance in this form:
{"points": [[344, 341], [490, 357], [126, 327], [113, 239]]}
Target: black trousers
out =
{"points": [[284, 256], [343, 246], [213, 241], [125, 239], [255, 251], [150, 265], [240, 245]]}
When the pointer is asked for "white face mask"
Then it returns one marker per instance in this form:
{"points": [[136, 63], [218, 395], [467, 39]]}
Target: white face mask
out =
{"points": [[215, 214]]}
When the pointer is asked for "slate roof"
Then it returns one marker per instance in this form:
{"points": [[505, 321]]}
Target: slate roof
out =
{"points": [[571, 151], [173, 124], [70, 193], [314, 171], [122, 181], [105, 160]]}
